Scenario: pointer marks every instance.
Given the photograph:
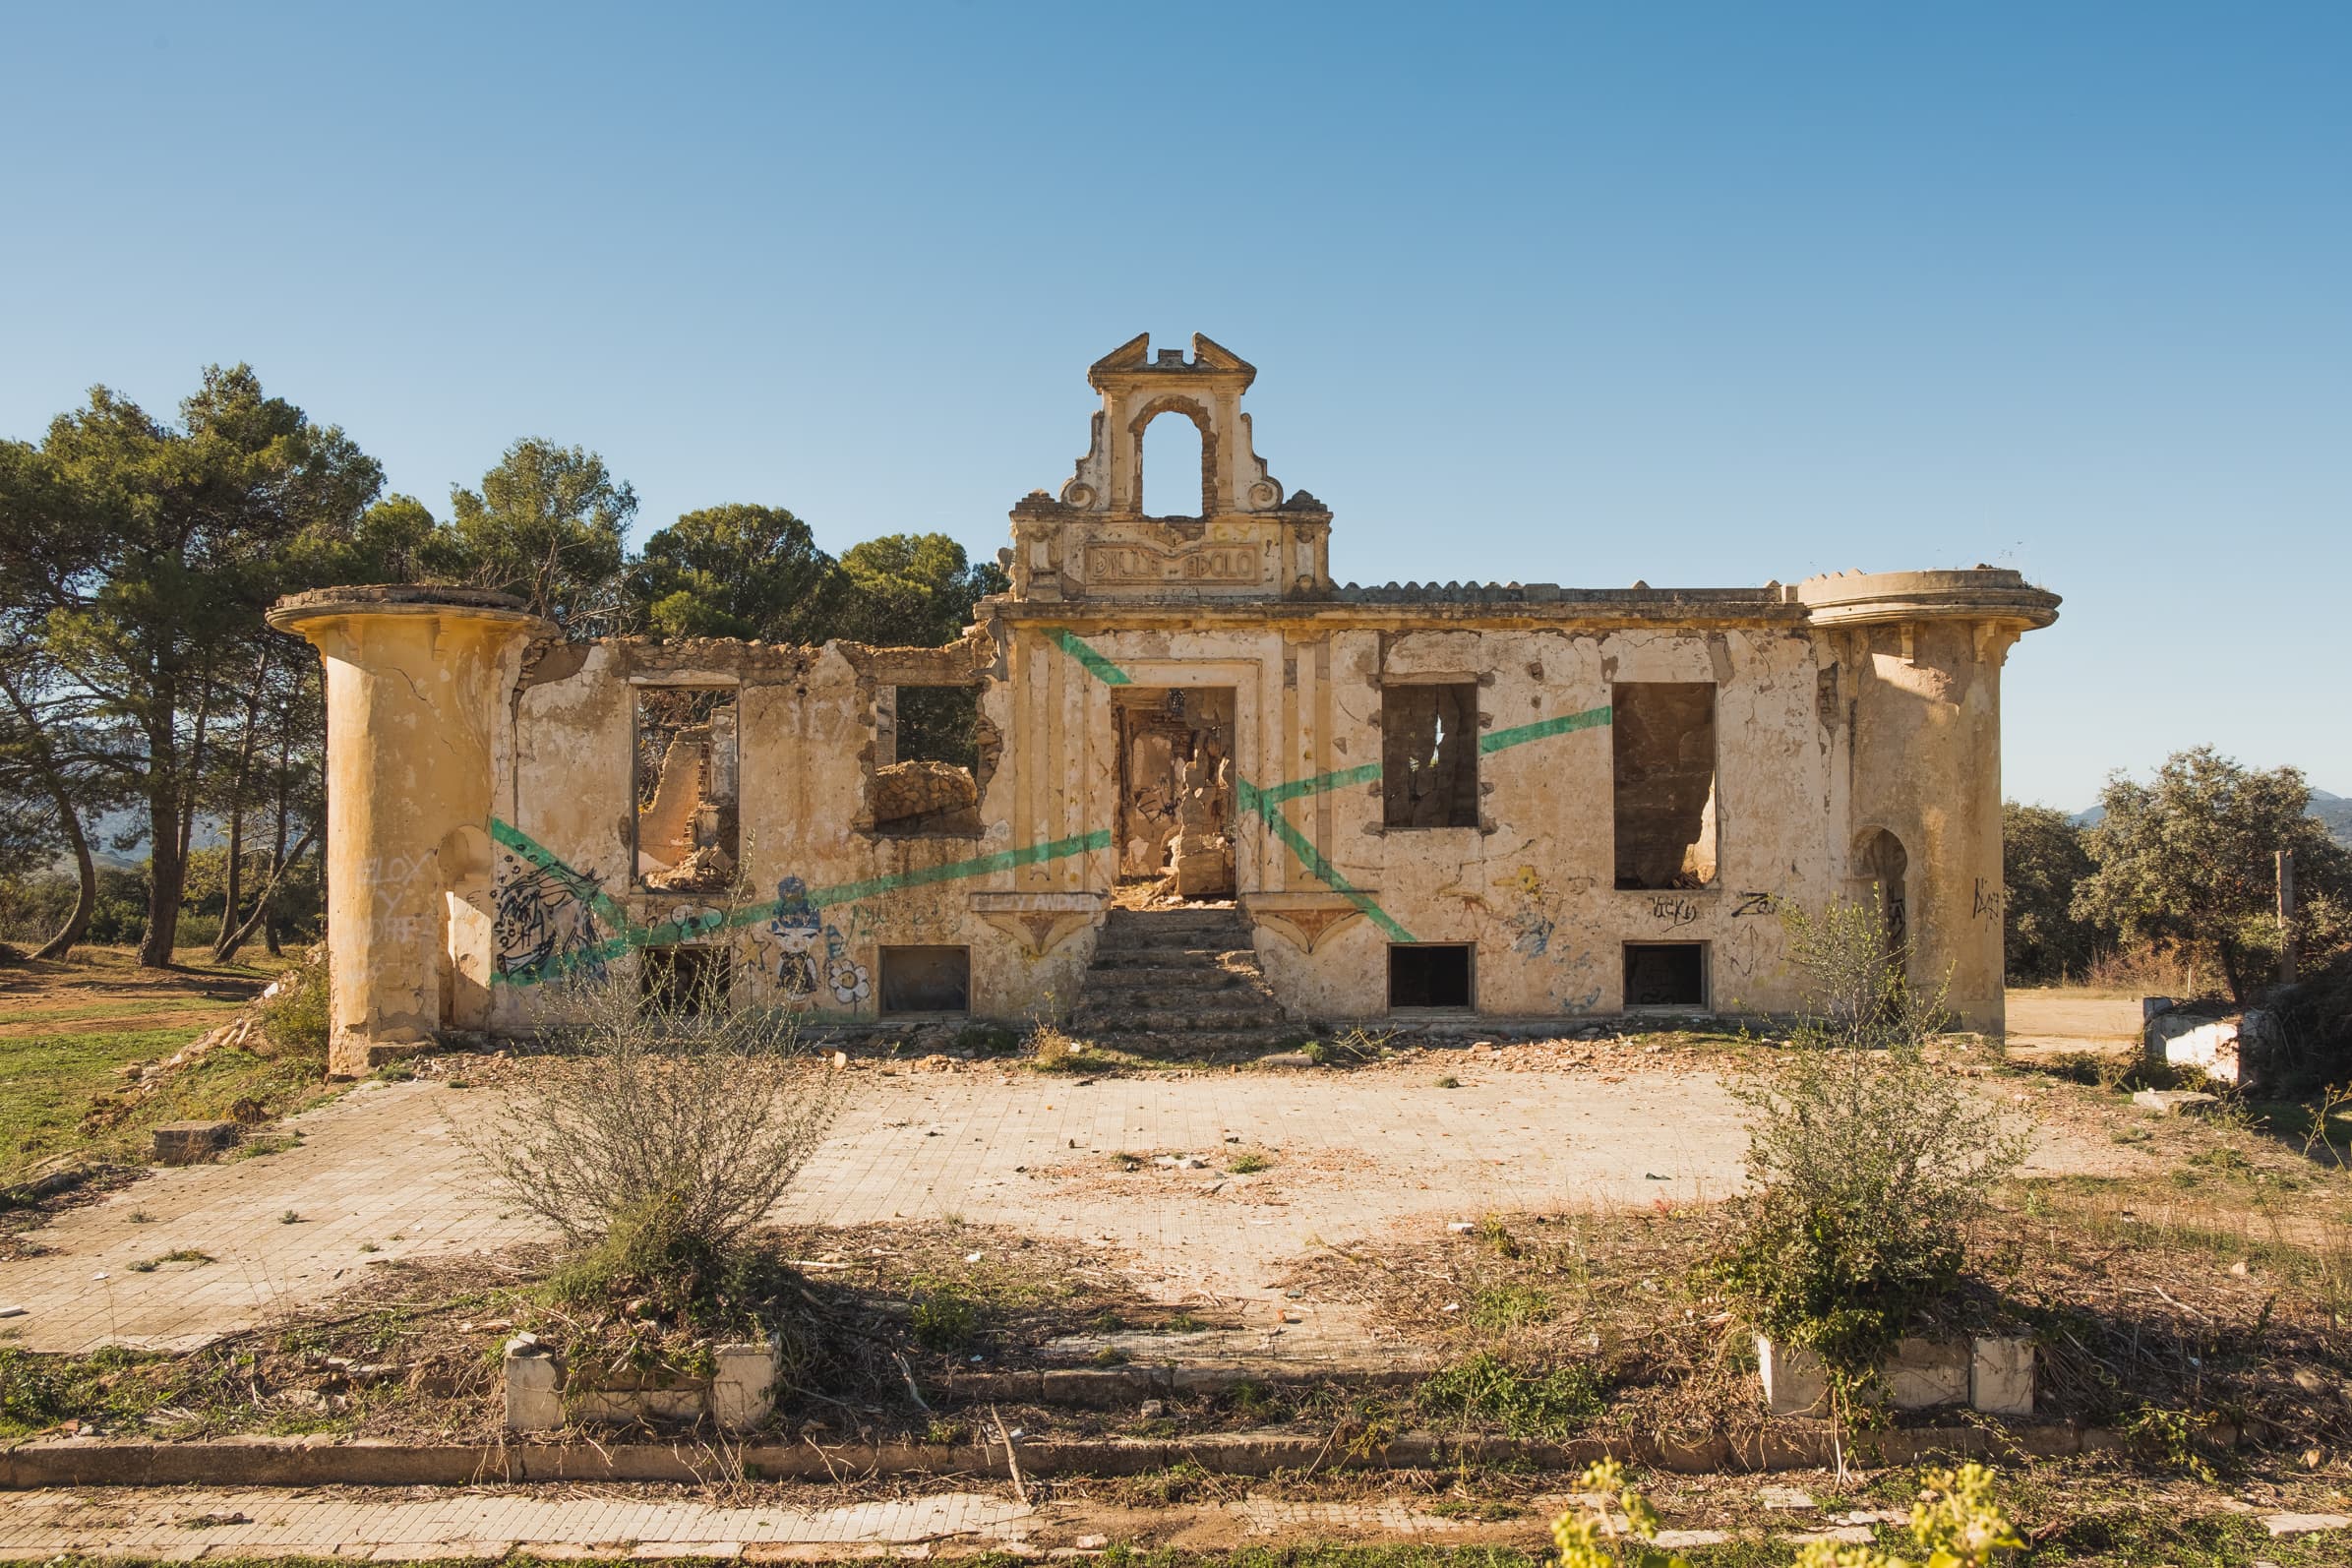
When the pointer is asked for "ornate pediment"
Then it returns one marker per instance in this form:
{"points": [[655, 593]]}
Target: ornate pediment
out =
{"points": [[1039, 922], [1305, 919]]}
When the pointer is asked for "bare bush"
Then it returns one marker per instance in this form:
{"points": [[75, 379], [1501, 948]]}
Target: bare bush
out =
{"points": [[672, 1100]]}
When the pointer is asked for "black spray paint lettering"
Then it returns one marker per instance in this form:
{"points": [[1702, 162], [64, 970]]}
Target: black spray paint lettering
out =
{"points": [[1674, 910], [1756, 904]]}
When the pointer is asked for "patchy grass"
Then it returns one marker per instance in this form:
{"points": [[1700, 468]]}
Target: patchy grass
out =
{"points": [[1556, 1402], [62, 1090]]}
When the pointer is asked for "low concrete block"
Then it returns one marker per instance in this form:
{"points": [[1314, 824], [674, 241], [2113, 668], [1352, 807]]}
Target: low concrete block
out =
{"points": [[744, 1390], [1923, 1373], [534, 1402], [2001, 1376], [193, 1142], [2239, 1048], [1795, 1383]]}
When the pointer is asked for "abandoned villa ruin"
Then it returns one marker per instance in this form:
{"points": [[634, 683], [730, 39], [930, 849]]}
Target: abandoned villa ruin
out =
{"points": [[1515, 802]]}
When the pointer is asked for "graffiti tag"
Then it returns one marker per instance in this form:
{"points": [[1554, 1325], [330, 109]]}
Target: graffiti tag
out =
{"points": [[1674, 909]]}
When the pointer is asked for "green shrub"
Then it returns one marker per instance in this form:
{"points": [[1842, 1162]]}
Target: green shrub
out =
{"points": [[1510, 1306], [28, 1389], [296, 1018], [944, 1319], [1865, 1162]]}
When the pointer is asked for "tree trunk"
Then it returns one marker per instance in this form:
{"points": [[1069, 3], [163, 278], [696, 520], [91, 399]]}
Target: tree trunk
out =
{"points": [[166, 866], [232, 877], [232, 888], [172, 817], [233, 940], [85, 870], [277, 843]]}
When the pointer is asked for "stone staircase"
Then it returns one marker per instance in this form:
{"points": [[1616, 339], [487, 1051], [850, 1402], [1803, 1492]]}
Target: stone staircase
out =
{"points": [[1180, 982]]}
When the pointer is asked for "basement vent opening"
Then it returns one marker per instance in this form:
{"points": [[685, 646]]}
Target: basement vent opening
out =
{"points": [[685, 982], [926, 980], [1665, 975], [1428, 975], [1663, 743], [1429, 756]]}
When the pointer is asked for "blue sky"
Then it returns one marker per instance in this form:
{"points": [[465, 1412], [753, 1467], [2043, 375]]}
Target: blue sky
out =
{"points": [[1695, 294]]}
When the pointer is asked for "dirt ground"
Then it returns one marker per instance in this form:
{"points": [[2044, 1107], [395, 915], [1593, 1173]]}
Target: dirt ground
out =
{"points": [[101, 990]]}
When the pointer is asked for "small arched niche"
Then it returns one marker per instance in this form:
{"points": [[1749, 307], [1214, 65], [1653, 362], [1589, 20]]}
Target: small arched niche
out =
{"points": [[1172, 448], [1880, 866]]}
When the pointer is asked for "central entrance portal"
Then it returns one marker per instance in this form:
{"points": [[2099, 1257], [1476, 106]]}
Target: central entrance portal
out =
{"points": [[1176, 787]]}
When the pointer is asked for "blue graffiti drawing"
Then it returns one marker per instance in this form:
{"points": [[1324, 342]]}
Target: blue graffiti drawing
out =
{"points": [[1532, 927], [796, 928], [544, 920]]}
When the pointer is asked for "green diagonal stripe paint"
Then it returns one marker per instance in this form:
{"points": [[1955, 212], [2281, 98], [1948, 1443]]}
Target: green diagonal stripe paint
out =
{"points": [[1100, 668], [1328, 875], [1276, 794], [1267, 803], [1500, 740], [632, 935], [979, 866]]}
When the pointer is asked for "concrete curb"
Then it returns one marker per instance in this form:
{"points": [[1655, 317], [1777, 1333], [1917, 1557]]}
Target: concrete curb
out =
{"points": [[318, 1462]]}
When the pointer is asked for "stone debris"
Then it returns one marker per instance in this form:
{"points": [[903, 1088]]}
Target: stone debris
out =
{"points": [[2283, 1526], [2175, 1102], [193, 1142]]}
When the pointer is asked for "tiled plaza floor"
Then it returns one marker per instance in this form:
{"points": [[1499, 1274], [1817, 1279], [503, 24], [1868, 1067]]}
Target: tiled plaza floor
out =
{"points": [[379, 1175]]}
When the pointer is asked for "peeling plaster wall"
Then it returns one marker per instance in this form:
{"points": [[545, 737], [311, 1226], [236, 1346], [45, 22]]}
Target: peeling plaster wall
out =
{"points": [[1532, 888], [1802, 775], [820, 894]]}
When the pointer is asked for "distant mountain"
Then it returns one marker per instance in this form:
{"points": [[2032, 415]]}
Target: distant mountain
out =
{"points": [[2333, 810]]}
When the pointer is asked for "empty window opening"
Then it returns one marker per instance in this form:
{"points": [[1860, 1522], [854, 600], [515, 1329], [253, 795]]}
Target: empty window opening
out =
{"points": [[926, 980], [927, 755], [1663, 735], [1429, 756], [1665, 975], [684, 982], [686, 789], [1175, 789], [1428, 975], [1174, 469]]}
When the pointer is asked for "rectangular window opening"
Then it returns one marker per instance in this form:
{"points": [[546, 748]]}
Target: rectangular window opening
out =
{"points": [[685, 982], [926, 980], [927, 761], [686, 789], [1428, 975], [1665, 975], [1662, 737], [1429, 756]]}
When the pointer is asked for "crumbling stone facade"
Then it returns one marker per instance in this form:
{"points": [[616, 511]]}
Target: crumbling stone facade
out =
{"points": [[1515, 802]]}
